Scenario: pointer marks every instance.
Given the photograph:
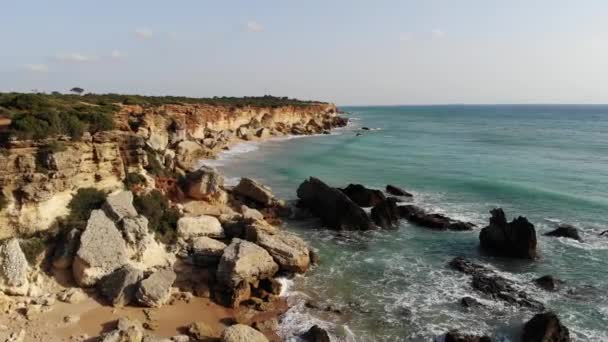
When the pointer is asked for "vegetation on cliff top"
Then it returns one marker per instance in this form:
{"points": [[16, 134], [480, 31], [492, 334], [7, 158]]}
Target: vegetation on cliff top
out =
{"points": [[39, 116]]}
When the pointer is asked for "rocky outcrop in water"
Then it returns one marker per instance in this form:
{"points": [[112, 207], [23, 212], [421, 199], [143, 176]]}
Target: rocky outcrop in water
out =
{"points": [[420, 217], [333, 207], [386, 214], [363, 196], [545, 327], [456, 336], [566, 231], [494, 286], [316, 334], [397, 191], [515, 239]]}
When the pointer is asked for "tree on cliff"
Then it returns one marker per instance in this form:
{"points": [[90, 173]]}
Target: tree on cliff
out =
{"points": [[77, 90]]}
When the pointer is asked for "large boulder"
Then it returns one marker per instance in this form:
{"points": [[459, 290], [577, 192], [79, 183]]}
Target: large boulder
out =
{"points": [[206, 251], [195, 226], [102, 250], [120, 205], [13, 266], [155, 290], [363, 196], [545, 327], [386, 214], [66, 248], [515, 239], [255, 192], [188, 155], [203, 184], [120, 286], [566, 231], [242, 333], [287, 250], [245, 262], [332, 206]]}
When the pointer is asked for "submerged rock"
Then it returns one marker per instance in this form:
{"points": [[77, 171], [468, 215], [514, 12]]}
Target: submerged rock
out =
{"points": [[567, 231], [456, 336], [242, 333], [255, 192], [332, 206], [397, 191], [316, 334], [545, 327], [102, 250], [515, 239], [496, 287], [363, 196], [547, 282]]}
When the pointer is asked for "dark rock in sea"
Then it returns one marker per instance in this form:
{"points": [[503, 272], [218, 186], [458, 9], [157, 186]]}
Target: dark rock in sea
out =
{"points": [[516, 239], [358, 134], [316, 334], [397, 191], [500, 288], [420, 217], [604, 233], [470, 302], [547, 282], [545, 327], [494, 286], [363, 196], [385, 214], [567, 231], [365, 128], [332, 206], [456, 336]]}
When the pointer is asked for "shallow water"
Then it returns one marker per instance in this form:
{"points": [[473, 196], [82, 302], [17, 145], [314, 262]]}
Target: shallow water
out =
{"points": [[548, 163]]}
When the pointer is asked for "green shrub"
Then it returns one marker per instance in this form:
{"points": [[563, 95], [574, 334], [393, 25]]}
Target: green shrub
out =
{"points": [[162, 218], [82, 204], [33, 247], [133, 179], [3, 201]]}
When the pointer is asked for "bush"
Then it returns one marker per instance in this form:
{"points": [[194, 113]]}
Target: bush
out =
{"points": [[133, 179], [32, 248], [82, 204], [3, 201], [161, 216]]}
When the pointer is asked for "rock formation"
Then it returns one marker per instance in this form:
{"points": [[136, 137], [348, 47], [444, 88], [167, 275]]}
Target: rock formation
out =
{"points": [[545, 327], [512, 239], [242, 333], [102, 250], [155, 290], [566, 231], [363, 196], [13, 268], [420, 217], [397, 191], [332, 206]]}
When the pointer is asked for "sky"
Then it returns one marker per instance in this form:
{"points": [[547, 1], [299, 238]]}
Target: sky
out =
{"points": [[353, 52]]}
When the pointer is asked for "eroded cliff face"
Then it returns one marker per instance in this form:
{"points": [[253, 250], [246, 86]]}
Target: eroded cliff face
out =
{"points": [[38, 178]]}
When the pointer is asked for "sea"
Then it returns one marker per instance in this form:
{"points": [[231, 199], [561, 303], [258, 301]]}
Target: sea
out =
{"points": [[548, 163]]}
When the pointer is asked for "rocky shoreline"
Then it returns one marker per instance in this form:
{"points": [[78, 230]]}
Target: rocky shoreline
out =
{"points": [[108, 233]]}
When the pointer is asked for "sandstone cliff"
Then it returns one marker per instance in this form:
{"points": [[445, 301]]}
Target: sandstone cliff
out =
{"points": [[38, 178]]}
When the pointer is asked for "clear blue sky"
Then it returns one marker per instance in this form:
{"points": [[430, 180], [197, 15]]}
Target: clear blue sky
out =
{"points": [[348, 52]]}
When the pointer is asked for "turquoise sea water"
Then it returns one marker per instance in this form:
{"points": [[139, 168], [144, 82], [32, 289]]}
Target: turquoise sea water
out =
{"points": [[548, 163]]}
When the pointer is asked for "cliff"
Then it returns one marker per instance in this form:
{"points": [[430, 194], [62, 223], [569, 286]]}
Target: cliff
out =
{"points": [[39, 176]]}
